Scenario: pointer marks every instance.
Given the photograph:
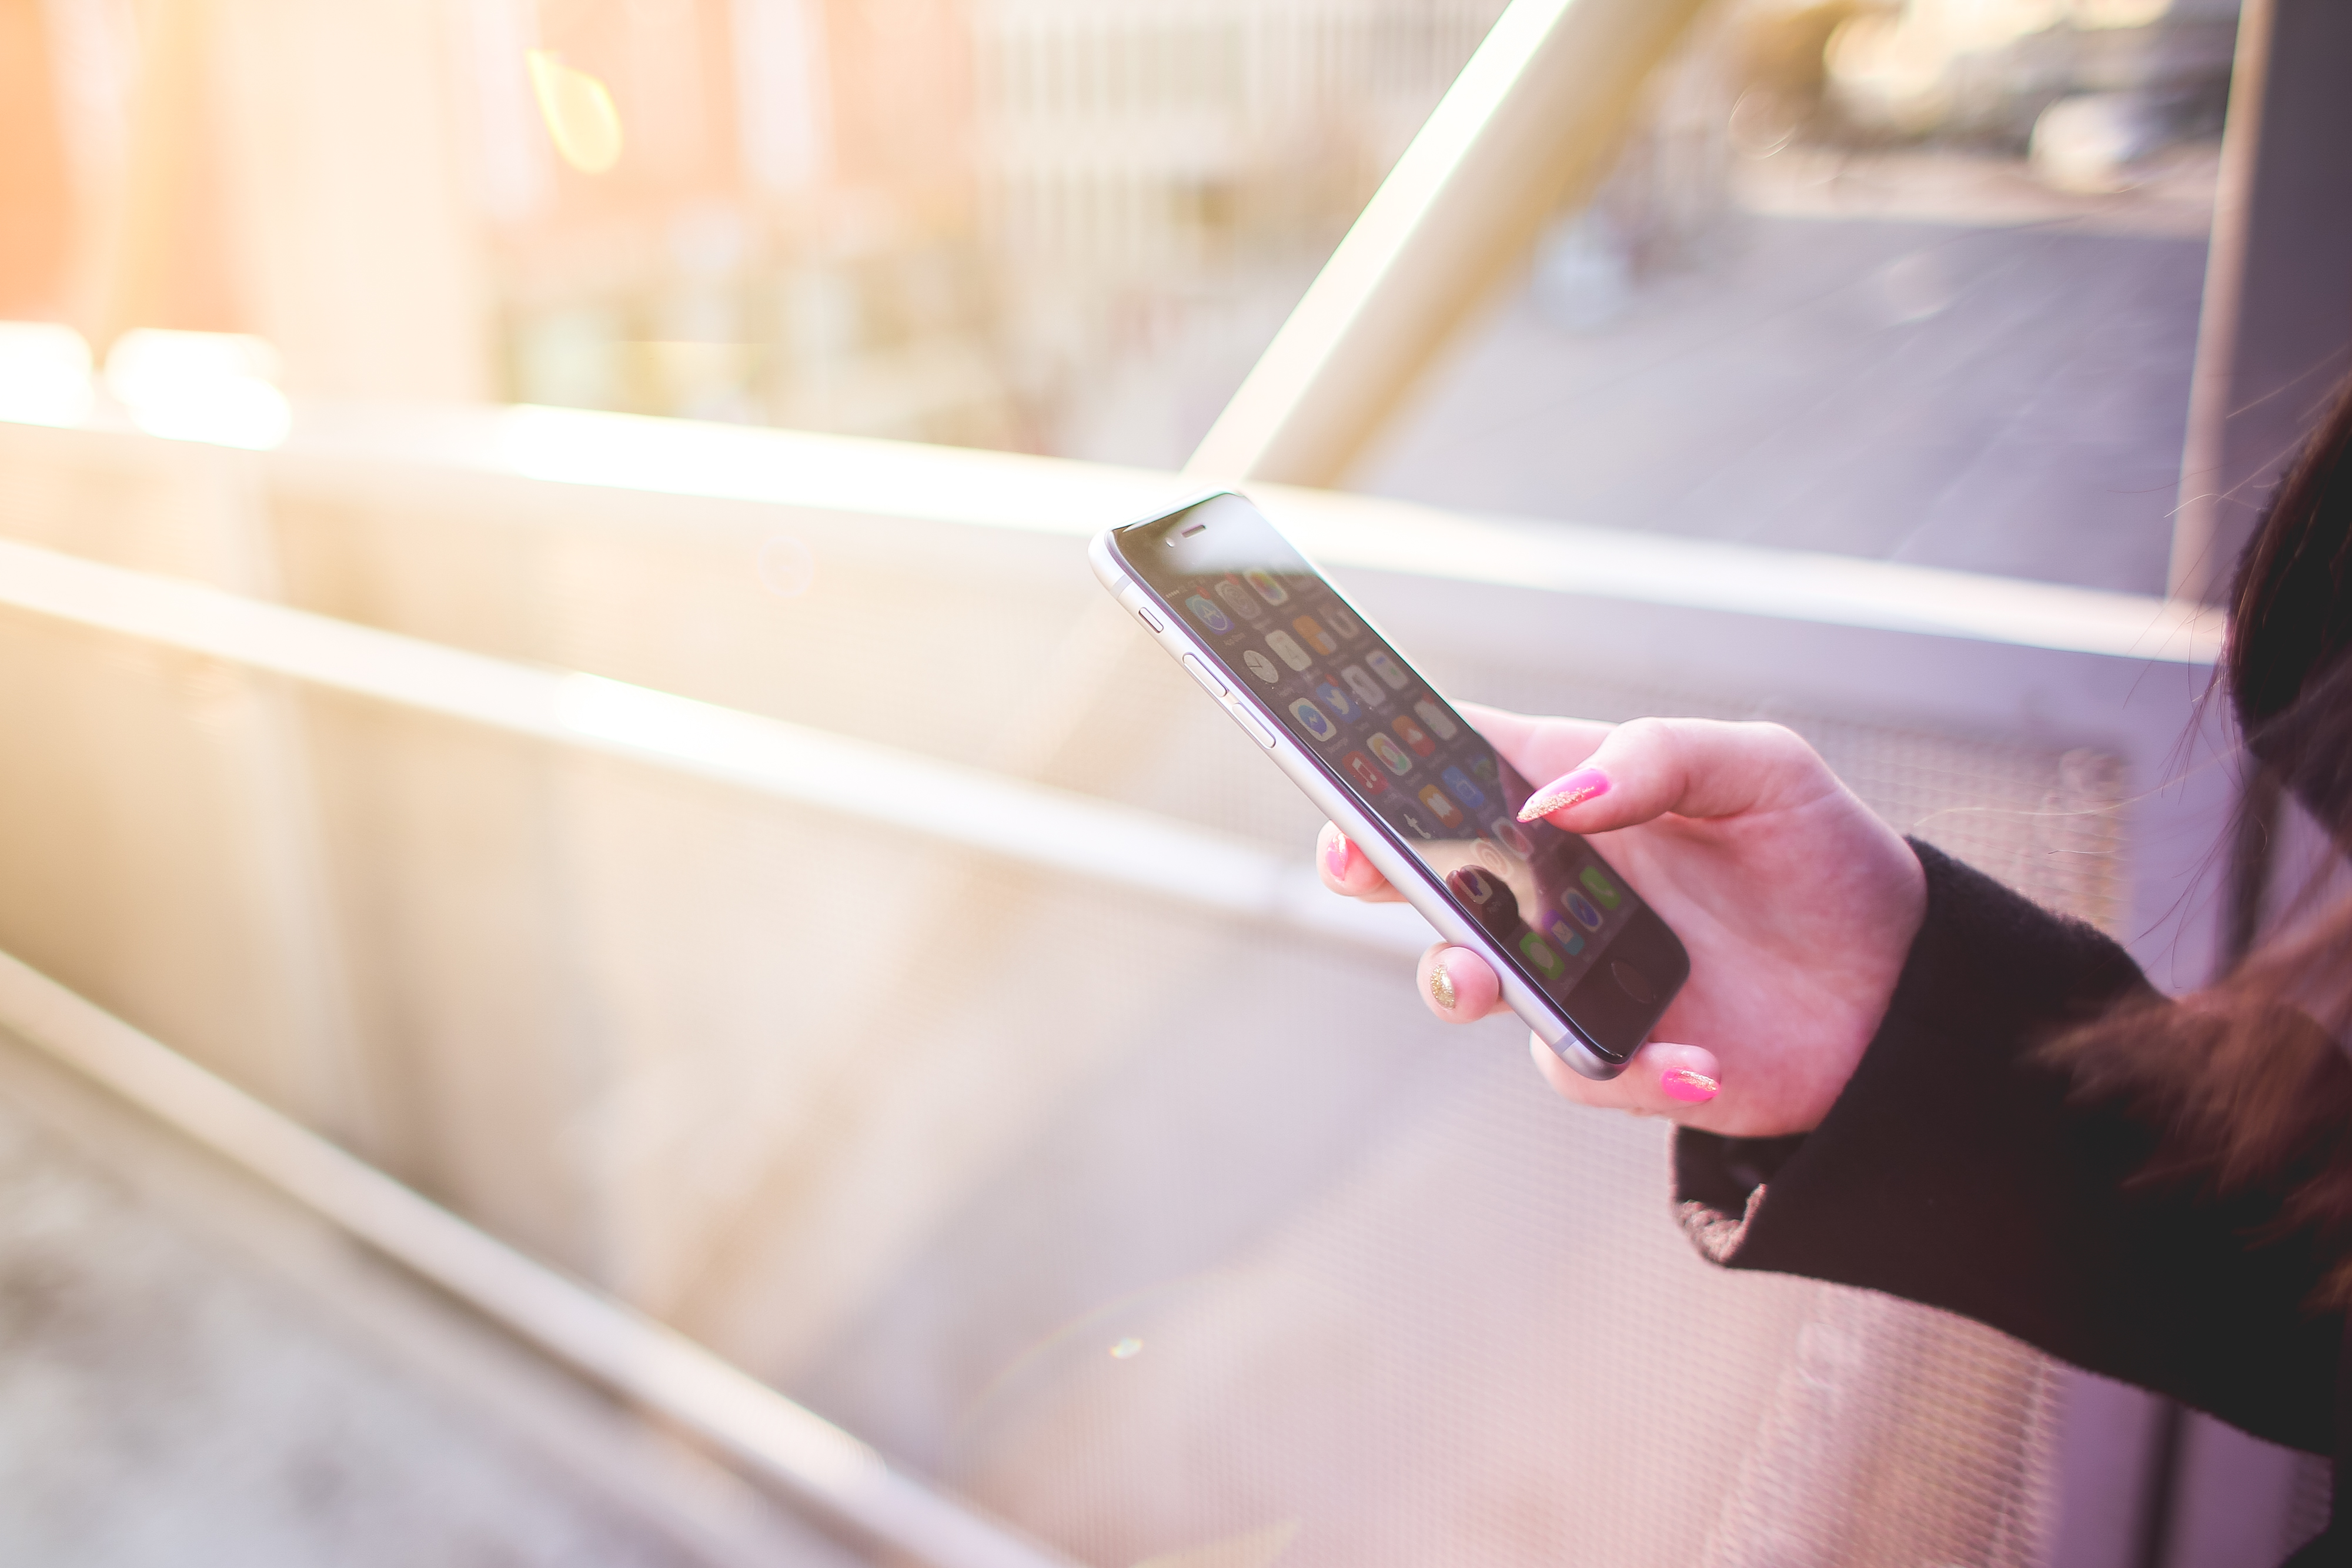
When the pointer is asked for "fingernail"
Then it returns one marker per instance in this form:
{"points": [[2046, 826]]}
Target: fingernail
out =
{"points": [[1335, 855], [1690, 1088], [1569, 790], [1441, 986]]}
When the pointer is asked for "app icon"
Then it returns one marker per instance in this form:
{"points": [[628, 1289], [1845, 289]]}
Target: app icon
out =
{"points": [[1473, 885], [1582, 907], [1282, 644], [1490, 857], [1237, 600], [1412, 819], [1310, 719], [1311, 630], [1447, 813], [1364, 686], [1463, 790], [1514, 837], [1546, 962], [1391, 754], [1482, 764], [1370, 777], [1346, 625], [1268, 589], [1600, 886], [1568, 937], [1261, 666], [1338, 702], [1388, 670], [1434, 717], [1490, 899], [1209, 615], [1413, 735]]}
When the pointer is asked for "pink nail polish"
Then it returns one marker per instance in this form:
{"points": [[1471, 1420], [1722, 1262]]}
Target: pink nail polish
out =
{"points": [[1336, 856], [1569, 790], [1690, 1088]]}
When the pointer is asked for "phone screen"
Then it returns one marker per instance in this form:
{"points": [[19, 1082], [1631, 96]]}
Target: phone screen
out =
{"points": [[1349, 700]]}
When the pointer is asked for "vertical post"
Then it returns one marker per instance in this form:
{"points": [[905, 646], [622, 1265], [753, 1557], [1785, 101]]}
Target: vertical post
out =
{"points": [[2276, 330], [1534, 119]]}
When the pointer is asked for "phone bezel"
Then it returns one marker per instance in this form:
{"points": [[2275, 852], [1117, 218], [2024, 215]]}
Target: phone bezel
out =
{"points": [[1553, 1022]]}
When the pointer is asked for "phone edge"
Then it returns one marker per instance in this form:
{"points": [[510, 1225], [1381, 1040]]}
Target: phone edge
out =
{"points": [[1404, 873]]}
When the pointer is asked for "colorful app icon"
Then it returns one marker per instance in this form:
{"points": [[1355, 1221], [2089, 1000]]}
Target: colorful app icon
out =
{"points": [[1538, 951], [1492, 858], [1582, 907], [1286, 647], [1514, 837], [1268, 589], [1368, 775], [1413, 735], [1209, 615], [1568, 937], [1600, 886], [1434, 717], [1364, 686], [1463, 790], [1388, 670], [1310, 630], [1339, 701], [1482, 764], [1346, 625], [1237, 600], [1260, 666], [1446, 813], [1391, 754], [1312, 720]]}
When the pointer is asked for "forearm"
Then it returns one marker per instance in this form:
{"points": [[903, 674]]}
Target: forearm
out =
{"points": [[1959, 1169]]}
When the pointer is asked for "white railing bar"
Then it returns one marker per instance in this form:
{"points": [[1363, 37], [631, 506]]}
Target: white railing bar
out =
{"points": [[1057, 496], [1750, 580], [1052, 829], [636, 1357]]}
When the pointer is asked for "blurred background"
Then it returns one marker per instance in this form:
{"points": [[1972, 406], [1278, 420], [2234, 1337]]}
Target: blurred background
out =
{"points": [[546, 657], [1972, 229]]}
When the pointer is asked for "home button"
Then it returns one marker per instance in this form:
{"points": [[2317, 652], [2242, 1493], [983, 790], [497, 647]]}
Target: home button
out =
{"points": [[1632, 982]]}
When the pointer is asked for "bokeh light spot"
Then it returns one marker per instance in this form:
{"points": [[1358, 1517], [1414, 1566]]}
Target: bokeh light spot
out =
{"points": [[581, 119]]}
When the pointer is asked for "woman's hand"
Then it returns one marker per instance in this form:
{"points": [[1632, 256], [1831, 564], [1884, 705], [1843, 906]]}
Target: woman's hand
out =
{"points": [[1797, 903]]}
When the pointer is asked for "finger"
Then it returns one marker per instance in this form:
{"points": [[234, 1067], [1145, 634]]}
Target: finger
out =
{"points": [[1539, 747], [1457, 985], [1686, 766], [1681, 1082], [1346, 869]]}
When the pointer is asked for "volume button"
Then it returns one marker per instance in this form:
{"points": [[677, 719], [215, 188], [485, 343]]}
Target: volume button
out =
{"points": [[1151, 621], [1250, 721], [1200, 671]]}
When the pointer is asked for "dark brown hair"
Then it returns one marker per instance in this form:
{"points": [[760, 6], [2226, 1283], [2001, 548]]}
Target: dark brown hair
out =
{"points": [[2248, 1079]]}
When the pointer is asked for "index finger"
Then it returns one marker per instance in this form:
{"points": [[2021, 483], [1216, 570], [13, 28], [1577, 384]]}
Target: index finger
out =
{"points": [[1539, 749]]}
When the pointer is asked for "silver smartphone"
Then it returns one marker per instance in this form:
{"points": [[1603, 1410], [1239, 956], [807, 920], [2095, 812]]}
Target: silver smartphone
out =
{"points": [[1582, 959]]}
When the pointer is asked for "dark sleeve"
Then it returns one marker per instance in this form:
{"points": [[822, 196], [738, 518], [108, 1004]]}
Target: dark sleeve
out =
{"points": [[1957, 1170]]}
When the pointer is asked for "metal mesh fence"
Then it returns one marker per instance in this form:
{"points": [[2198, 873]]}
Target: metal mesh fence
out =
{"points": [[1175, 1241]]}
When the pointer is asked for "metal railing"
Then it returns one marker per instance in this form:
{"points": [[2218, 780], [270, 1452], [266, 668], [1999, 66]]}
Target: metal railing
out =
{"points": [[1971, 656]]}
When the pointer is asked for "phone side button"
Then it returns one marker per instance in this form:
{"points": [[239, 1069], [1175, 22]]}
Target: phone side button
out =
{"points": [[1200, 671], [1251, 722], [1151, 621]]}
